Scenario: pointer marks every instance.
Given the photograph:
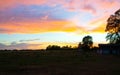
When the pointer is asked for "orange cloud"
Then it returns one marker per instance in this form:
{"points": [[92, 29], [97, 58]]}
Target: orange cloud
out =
{"points": [[98, 25], [100, 29], [36, 27], [74, 5]]}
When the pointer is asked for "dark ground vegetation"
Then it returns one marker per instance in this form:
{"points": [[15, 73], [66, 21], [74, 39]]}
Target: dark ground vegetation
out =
{"points": [[57, 62]]}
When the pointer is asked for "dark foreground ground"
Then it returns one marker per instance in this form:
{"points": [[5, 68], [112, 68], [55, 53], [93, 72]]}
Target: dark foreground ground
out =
{"points": [[57, 63]]}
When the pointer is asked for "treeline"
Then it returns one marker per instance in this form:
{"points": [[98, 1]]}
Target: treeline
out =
{"points": [[56, 47]]}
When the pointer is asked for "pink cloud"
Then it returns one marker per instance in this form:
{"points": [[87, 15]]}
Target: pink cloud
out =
{"points": [[13, 3], [74, 5], [92, 6], [89, 8], [98, 8]]}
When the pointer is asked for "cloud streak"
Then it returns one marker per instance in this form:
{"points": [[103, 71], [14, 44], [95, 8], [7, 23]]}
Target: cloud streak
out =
{"points": [[29, 40], [20, 46]]}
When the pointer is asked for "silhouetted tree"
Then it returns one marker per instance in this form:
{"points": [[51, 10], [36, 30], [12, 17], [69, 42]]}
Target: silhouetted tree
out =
{"points": [[87, 43], [113, 28], [80, 46], [53, 47], [68, 48], [56, 47]]}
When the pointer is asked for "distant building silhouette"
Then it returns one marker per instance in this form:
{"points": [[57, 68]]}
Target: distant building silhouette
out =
{"points": [[109, 49]]}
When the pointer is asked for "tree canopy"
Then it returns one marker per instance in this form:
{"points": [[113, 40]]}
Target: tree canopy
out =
{"points": [[87, 42], [113, 28]]}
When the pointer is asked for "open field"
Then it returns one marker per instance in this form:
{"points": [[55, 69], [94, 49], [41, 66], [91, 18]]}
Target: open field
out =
{"points": [[57, 63]]}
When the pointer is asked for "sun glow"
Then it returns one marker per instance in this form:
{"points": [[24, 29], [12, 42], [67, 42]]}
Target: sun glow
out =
{"points": [[36, 24]]}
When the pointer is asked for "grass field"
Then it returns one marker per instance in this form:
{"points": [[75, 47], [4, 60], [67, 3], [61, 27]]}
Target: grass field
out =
{"points": [[57, 63]]}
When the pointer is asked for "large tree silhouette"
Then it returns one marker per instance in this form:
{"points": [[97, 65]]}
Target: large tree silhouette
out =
{"points": [[113, 28], [87, 43]]}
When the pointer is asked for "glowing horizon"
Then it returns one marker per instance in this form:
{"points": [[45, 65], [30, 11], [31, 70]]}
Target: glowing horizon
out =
{"points": [[34, 24]]}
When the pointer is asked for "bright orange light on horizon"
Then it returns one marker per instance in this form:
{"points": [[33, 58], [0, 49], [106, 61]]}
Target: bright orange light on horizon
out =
{"points": [[53, 21]]}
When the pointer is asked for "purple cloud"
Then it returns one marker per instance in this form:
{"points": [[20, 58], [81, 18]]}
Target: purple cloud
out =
{"points": [[19, 46], [29, 40]]}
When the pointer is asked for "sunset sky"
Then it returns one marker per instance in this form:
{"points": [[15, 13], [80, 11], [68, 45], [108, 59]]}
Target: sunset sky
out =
{"points": [[34, 24]]}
